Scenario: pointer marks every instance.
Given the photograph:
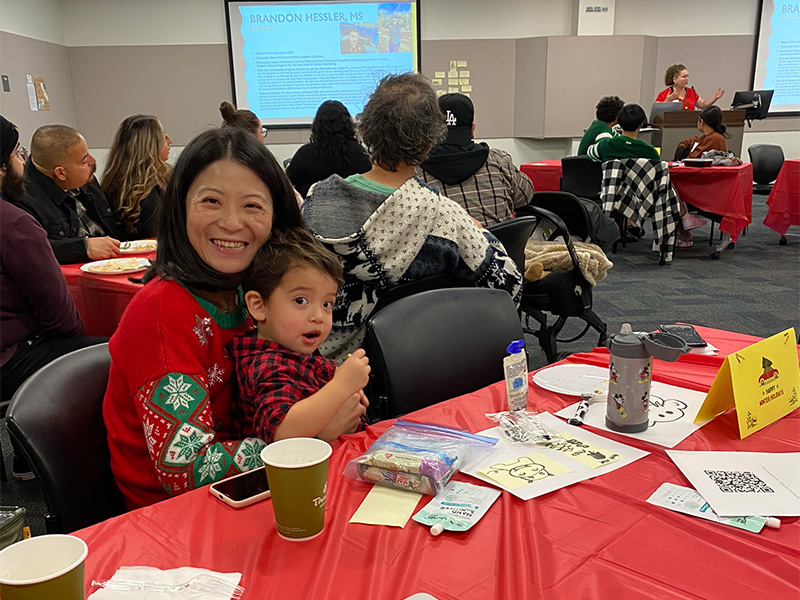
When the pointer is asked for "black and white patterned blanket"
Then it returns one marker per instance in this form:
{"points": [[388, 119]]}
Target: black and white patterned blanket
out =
{"points": [[637, 188]]}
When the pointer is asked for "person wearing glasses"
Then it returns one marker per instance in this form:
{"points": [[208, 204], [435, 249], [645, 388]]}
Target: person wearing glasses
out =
{"points": [[38, 319], [246, 119], [242, 119]]}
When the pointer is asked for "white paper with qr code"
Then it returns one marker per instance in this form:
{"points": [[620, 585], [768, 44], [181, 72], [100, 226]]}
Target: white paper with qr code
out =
{"points": [[744, 483]]}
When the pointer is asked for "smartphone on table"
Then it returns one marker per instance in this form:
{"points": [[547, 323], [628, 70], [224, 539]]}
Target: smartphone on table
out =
{"points": [[243, 489], [687, 333]]}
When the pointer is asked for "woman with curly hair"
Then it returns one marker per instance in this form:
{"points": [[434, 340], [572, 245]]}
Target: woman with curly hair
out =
{"points": [[676, 79], [136, 174], [333, 149], [388, 227]]}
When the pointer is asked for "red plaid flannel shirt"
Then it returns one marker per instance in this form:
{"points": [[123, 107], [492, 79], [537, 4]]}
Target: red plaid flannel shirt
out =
{"points": [[271, 379]]}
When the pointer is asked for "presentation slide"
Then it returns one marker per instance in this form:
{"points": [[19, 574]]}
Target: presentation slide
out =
{"points": [[287, 58], [778, 54]]}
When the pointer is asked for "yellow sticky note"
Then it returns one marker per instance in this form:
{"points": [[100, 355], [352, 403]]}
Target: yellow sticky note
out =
{"points": [[452, 90], [464, 81], [463, 73], [524, 470], [439, 93], [436, 82], [386, 506], [452, 73], [439, 74], [761, 381], [466, 88], [461, 63], [453, 65], [582, 451], [452, 81]]}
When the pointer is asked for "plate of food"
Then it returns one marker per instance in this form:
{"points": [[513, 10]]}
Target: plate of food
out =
{"points": [[138, 247], [116, 266], [573, 380]]}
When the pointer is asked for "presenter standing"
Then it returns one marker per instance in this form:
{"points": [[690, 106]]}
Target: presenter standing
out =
{"points": [[677, 81]]}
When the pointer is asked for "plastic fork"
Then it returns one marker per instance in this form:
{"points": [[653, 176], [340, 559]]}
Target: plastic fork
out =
{"points": [[205, 584]]}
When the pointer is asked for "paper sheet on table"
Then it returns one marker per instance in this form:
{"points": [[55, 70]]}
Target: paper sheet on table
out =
{"points": [[744, 483], [579, 471], [386, 506], [672, 412]]}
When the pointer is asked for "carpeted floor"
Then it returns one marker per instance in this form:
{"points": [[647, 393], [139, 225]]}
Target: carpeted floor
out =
{"points": [[754, 289]]}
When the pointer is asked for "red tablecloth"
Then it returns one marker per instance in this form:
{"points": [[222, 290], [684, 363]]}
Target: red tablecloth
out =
{"points": [[725, 191], [100, 299], [545, 174], [784, 199], [595, 539]]}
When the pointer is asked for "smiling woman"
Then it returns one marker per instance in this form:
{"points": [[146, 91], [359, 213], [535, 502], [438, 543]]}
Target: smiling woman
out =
{"points": [[168, 405]]}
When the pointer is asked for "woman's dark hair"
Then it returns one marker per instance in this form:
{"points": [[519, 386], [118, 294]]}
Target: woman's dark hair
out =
{"points": [[631, 117], [241, 118], [176, 258], [672, 72], [607, 108], [331, 131], [712, 116], [401, 121]]}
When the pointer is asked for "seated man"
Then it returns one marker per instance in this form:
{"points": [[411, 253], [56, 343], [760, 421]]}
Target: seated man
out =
{"points": [[387, 227], [483, 180], [631, 118], [38, 320], [606, 117], [63, 195]]}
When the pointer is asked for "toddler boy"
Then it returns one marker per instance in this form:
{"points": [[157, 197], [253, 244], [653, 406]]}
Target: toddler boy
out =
{"points": [[286, 388]]}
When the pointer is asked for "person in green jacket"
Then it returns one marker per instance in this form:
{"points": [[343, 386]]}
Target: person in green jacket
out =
{"points": [[606, 117], [631, 118]]}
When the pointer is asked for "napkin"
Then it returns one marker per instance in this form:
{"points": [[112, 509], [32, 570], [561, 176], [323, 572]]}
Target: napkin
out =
{"points": [[153, 575]]}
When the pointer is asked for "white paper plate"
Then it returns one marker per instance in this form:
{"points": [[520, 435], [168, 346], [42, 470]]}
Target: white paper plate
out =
{"points": [[573, 380], [116, 266], [138, 247]]}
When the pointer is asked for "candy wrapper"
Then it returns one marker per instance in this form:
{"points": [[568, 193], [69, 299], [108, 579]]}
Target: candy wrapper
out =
{"points": [[417, 457], [522, 427]]}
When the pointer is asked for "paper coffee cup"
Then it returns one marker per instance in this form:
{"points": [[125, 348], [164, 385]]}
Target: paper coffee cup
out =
{"points": [[297, 471], [47, 566]]}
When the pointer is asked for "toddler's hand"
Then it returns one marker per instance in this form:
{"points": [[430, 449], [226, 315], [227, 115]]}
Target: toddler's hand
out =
{"points": [[353, 373], [346, 419]]}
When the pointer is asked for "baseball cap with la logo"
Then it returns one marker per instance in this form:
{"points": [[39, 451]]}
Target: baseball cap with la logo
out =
{"points": [[459, 114]]}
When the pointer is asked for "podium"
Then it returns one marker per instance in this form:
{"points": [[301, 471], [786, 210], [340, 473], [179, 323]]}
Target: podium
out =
{"points": [[675, 126]]}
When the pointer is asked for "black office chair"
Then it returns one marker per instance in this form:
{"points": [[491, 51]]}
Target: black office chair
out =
{"points": [[514, 235], [582, 177], [563, 293], [438, 344], [767, 161], [56, 419]]}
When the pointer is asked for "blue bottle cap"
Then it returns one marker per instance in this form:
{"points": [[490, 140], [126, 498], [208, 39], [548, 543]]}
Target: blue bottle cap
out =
{"points": [[515, 347]]}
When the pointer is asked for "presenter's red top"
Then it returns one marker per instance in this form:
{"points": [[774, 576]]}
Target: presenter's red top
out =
{"points": [[689, 102]]}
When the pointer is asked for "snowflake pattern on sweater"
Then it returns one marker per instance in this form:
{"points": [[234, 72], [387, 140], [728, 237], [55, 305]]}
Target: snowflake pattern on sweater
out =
{"points": [[411, 234]]}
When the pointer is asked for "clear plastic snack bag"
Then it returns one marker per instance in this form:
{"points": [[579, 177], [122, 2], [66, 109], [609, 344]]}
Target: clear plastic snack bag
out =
{"points": [[522, 427], [417, 457]]}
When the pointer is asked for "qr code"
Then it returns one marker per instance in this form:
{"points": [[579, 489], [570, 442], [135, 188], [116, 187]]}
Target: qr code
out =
{"points": [[739, 482]]}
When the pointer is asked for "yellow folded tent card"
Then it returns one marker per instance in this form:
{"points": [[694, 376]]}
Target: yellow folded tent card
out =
{"points": [[762, 381]]}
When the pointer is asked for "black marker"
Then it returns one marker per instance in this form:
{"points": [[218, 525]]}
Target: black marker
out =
{"points": [[580, 412]]}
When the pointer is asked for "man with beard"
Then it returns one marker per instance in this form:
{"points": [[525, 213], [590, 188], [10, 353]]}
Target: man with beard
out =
{"points": [[64, 196], [38, 320]]}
